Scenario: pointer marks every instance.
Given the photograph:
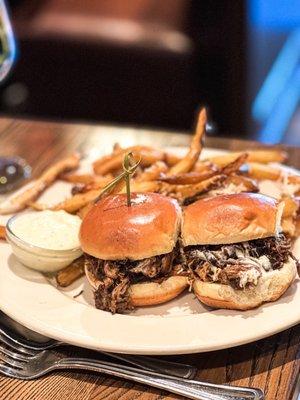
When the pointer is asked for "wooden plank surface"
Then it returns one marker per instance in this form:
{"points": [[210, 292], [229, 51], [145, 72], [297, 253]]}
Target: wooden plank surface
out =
{"points": [[272, 364]]}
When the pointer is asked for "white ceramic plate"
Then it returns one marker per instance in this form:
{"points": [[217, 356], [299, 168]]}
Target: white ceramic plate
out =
{"points": [[180, 326]]}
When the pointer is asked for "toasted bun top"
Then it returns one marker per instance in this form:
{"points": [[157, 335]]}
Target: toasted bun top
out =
{"points": [[113, 231], [231, 219]]}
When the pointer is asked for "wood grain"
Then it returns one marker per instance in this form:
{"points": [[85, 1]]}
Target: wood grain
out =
{"points": [[272, 364]]}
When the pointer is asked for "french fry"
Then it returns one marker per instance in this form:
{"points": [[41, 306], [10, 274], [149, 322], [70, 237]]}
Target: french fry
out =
{"points": [[297, 200], [70, 205], [2, 232], [202, 166], [288, 226], [152, 173], [267, 156], [21, 201], [71, 273], [291, 205], [117, 188], [297, 226], [114, 163], [116, 148], [76, 202], [235, 165], [80, 200], [188, 178], [246, 184], [39, 206], [171, 159], [144, 187], [84, 210], [259, 156], [294, 179], [81, 212], [85, 178], [96, 185], [266, 172], [208, 171], [263, 171], [190, 159], [77, 178], [185, 192], [149, 156]]}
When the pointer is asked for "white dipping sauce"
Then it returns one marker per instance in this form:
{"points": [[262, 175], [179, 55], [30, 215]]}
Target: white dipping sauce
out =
{"points": [[53, 230]]}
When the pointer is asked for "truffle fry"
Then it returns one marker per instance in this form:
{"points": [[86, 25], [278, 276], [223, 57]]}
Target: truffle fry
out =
{"points": [[291, 206], [260, 156], [188, 178], [297, 226], [246, 184], [263, 171], [294, 179], [2, 232], [71, 273], [84, 210], [70, 205], [234, 166], [190, 159], [95, 185], [152, 173], [143, 187], [202, 166], [21, 201], [188, 193], [80, 200], [85, 178], [149, 156]]}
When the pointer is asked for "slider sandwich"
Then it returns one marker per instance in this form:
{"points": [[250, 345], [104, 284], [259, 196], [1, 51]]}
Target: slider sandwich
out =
{"points": [[129, 251], [235, 251]]}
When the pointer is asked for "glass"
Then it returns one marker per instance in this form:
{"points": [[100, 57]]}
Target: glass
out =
{"points": [[7, 43], [12, 170]]}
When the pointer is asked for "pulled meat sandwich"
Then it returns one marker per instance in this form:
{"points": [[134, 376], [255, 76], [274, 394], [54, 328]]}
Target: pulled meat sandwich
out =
{"points": [[235, 251], [129, 251]]}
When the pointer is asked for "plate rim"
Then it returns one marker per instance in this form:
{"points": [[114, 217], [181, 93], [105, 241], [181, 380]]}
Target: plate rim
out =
{"points": [[42, 323]]}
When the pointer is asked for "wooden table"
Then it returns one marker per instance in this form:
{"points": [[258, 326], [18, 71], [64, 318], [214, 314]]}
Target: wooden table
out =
{"points": [[272, 364]]}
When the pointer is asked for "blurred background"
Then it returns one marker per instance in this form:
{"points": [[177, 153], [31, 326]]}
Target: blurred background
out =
{"points": [[152, 63]]}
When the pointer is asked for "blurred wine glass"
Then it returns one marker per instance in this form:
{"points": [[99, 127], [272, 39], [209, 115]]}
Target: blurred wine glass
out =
{"points": [[13, 170], [8, 44]]}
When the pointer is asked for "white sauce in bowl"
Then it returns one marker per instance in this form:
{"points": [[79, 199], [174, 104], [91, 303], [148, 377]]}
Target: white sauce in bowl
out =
{"points": [[46, 241], [53, 230]]}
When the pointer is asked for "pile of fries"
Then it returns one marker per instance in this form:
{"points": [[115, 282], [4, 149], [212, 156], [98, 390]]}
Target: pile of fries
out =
{"points": [[184, 178]]}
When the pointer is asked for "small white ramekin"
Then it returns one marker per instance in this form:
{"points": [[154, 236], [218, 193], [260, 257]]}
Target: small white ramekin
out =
{"points": [[38, 258]]}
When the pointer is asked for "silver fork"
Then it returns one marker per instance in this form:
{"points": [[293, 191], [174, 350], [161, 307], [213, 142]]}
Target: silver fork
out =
{"points": [[9, 336], [26, 364]]}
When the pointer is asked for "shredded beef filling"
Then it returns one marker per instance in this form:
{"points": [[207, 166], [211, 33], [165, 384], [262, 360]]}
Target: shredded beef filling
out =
{"points": [[115, 277], [239, 265]]}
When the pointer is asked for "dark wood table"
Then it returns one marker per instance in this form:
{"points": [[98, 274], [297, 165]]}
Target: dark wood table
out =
{"points": [[272, 364]]}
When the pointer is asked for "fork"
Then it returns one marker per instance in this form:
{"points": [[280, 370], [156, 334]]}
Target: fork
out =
{"points": [[12, 338], [26, 364]]}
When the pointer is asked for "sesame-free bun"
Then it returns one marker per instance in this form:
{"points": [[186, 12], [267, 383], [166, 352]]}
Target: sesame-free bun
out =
{"points": [[230, 218], [148, 293], [113, 231], [271, 285]]}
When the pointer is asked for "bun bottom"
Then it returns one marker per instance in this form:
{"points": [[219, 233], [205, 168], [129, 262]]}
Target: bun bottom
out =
{"points": [[149, 293], [271, 286]]}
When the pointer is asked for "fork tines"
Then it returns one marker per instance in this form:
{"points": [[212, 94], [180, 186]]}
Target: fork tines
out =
{"points": [[14, 358]]}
